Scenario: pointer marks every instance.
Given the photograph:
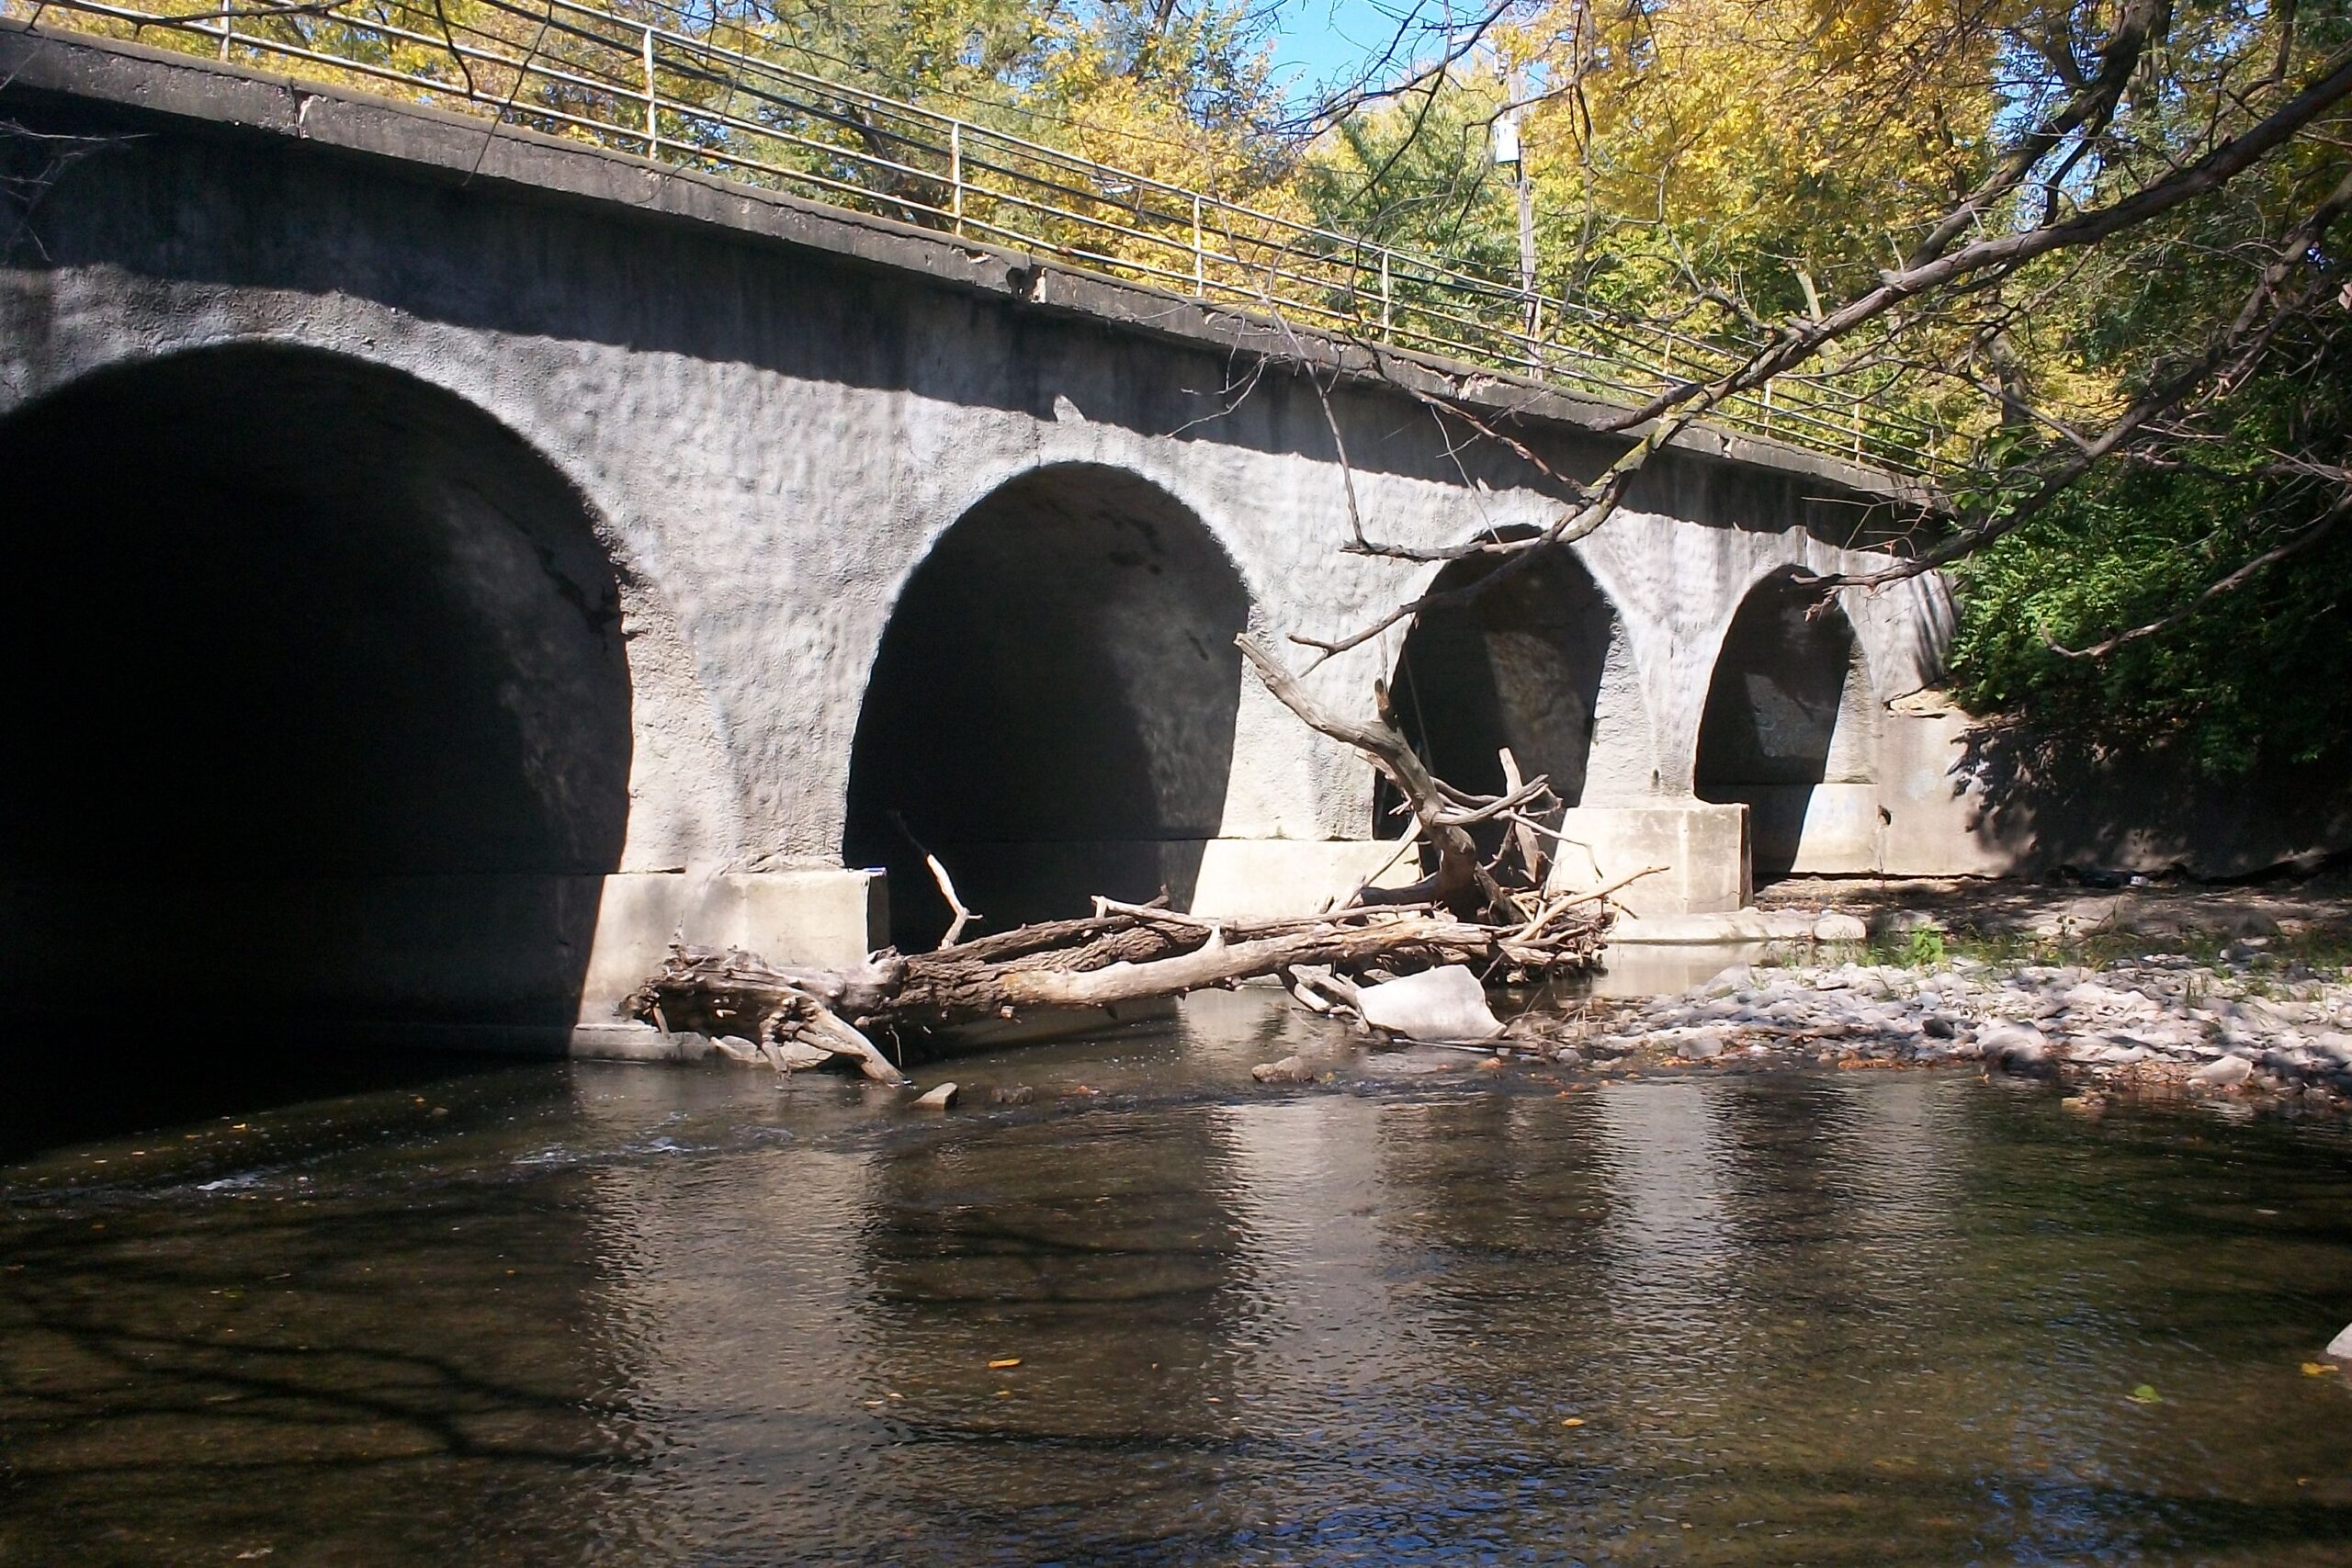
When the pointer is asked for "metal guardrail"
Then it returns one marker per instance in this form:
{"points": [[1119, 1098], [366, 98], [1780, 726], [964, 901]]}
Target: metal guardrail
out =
{"points": [[690, 90]]}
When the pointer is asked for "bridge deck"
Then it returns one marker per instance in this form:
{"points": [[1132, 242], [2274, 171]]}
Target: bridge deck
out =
{"points": [[1543, 378]]}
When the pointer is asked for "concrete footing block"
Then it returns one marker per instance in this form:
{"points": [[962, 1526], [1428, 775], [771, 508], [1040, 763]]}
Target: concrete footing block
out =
{"points": [[1703, 846], [821, 917], [1271, 879], [627, 1042]]}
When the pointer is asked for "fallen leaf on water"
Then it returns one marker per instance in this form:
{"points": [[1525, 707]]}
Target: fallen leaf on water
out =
{"points": [[1002, 1362], [1573, 1421], [2317, 1368], [2146, 1394]]}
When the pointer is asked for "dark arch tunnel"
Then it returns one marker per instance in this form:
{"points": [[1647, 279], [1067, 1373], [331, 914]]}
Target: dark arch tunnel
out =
{"points": [[1787, 711], [1052, 708], [1521, 666], [323, 713]]}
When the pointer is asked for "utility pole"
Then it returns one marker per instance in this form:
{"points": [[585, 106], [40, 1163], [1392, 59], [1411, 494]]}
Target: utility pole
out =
{"points": [[1510, 153]]}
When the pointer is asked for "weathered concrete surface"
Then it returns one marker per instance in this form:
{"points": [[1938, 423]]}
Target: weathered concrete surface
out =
{"points": [[1696, 853], [739, 426]]}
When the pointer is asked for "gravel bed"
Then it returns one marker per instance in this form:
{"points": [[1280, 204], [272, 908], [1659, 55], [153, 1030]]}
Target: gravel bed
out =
{"points": [[2160, 1023]]}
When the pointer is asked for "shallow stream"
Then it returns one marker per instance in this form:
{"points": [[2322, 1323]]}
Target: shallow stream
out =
{"points": [[1420, 1313]]}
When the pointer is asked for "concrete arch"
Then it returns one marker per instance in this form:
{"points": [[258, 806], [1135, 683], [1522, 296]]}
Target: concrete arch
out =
{"points": [[1540, 664], [1790, 729], [686, 802], [1052, 707], [329, 680]]}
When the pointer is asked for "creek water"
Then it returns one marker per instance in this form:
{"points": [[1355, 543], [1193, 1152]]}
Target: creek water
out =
{"points": [[1420, 1313]]}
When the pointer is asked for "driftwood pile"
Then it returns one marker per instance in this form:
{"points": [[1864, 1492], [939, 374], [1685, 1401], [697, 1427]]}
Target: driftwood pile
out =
{"points": [[798, 1017], [1488, 916]]}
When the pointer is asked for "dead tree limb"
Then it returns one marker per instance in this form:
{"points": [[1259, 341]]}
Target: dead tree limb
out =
{"points": [[1460, 872], [1122, 956]]}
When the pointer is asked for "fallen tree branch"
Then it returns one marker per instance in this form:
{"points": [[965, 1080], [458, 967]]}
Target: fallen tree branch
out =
{"points": [[1122, 956], [947, 890], [1459, 868]]}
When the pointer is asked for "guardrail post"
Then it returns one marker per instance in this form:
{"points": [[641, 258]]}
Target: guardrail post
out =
{"points": [[1858, 429], [1199, 268], [1768, 407], [652, 103], [1385, 300], [228, 31], [956, 174]]}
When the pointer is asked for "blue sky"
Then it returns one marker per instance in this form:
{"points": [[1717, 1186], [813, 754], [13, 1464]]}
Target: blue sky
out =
{"points": [[1321, 39]]}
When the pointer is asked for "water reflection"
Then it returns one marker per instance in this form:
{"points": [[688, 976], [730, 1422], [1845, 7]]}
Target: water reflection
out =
{"points": [[345, 1349], [1421, 1313]]}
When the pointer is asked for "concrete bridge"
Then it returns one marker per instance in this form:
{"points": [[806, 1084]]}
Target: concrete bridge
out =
{"points": [[449, 561]]}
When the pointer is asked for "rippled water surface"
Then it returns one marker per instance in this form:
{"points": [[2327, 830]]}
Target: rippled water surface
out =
{"points": [[625, 1314]]}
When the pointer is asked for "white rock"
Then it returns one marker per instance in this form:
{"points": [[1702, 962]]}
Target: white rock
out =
{"points": [[2340, 1347], [792, 1055], [2224, 1071], [1837, 927], [1436, 1004], [1738, 977], [2014, 1045], [939, 1099]]}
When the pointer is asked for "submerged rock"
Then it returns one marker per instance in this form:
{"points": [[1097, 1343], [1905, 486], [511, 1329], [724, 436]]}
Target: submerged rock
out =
{"points": [[1703, 1046], [1290, 1069]]}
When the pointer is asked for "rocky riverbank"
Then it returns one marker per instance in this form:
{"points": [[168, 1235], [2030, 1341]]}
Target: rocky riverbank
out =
{"points": [[2241, 1026]]}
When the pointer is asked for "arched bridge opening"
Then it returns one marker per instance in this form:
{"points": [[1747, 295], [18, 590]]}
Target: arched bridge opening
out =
{"points": [[1536, 664], [1051, 712], [322, 714], [1789, 729]]}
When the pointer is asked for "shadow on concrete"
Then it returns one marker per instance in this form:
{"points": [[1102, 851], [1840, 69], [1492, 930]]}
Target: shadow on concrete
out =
{"points": [[2051, 798], [1052, 709], [321, 713]]}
